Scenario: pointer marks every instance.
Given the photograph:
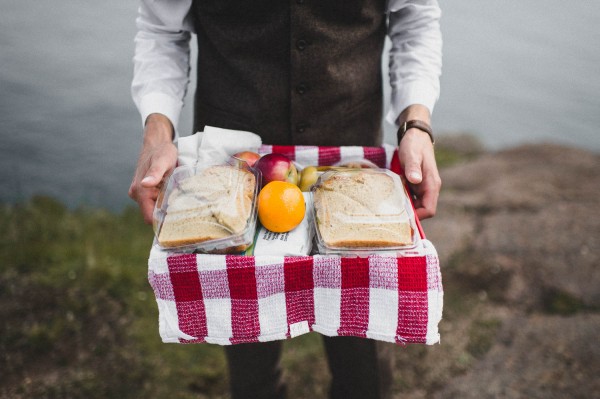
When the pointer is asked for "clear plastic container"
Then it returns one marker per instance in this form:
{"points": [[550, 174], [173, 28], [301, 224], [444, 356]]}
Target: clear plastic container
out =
{"points": [[357, 163], [361, 212], [208, 209]]}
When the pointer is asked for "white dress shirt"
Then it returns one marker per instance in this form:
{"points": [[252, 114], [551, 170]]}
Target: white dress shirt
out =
{"points": [[162, 56]]}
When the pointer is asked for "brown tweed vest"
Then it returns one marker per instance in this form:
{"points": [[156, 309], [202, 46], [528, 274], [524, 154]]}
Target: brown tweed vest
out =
{"points": [[303, 72]]}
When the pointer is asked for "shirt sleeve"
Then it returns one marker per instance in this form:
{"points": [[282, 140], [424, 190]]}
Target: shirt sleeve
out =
{"points": [[162, 58], [415, 55]]}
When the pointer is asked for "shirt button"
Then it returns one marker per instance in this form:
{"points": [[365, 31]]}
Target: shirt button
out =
{"points": [[301, 44], [302, 88]]}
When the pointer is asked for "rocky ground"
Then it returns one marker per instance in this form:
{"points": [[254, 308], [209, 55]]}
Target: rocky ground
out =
{"points": [[518, 233]]}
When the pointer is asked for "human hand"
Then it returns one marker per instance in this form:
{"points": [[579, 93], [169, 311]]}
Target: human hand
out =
{"points": [[157, 159], [420, 169]]}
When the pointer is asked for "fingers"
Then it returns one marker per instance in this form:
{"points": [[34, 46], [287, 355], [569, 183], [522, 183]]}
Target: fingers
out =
{"points": [[426, 205], [428, 190], [147, 208], [146, 199]]}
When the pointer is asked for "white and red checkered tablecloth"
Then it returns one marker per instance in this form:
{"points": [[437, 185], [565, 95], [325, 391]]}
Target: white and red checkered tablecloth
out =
{"points": [[229, 299]]}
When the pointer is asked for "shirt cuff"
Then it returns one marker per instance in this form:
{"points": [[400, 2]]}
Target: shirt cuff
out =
{"points": [[160, 103], [415, 92]]}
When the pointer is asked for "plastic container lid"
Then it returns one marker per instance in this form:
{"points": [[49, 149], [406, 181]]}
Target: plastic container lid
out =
{"points": [[208, 209], [362, 211]]}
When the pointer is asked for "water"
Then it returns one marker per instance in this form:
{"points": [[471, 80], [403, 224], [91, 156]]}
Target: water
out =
{"points": [[512, 74], [519, 72]]}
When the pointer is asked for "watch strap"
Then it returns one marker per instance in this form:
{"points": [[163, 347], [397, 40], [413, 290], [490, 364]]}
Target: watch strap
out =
{"points": [[415, 124]]}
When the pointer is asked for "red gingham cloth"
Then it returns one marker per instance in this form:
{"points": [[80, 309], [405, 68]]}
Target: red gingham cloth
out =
{"points": [[230, 299], [314, 155]]}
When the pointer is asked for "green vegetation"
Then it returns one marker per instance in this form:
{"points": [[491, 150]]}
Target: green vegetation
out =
{"points": [[456, 148], [482, 335], [78, 315], [445, 157], [562, 303]]}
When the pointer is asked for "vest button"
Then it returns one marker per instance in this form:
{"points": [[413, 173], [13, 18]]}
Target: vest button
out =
{"points": [[301, 128], [302, 88], [301, 44]]}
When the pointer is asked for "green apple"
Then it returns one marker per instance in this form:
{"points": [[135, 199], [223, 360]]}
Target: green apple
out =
{"points": [[308, 177]]}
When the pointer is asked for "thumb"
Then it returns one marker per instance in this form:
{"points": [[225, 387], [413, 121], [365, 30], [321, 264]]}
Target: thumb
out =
{"points": [[150, 181], [412, 171], [154, 174]]}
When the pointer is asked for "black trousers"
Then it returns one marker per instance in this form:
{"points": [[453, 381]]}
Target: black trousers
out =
{"points": [[360, 369]]}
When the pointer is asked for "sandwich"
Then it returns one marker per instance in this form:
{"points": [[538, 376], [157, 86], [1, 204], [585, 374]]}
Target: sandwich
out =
{"points": [[361, 209], [214, 204]]}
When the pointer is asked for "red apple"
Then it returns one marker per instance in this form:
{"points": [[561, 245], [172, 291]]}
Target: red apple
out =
{"points": [[248, 156], [277, 167]]}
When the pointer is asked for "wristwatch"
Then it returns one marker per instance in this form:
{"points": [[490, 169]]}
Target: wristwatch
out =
{"points": [[416, 124]]}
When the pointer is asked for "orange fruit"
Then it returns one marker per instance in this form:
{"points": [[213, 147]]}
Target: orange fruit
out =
{"points": [[280, 206]]}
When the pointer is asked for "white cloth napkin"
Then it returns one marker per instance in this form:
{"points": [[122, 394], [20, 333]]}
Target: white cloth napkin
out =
{"points": [[214, 146]]}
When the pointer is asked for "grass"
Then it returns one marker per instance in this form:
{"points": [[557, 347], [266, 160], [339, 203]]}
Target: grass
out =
{"points": [[562, 303], [482, 336], [79, 318], [457, 148], [445, 157]]}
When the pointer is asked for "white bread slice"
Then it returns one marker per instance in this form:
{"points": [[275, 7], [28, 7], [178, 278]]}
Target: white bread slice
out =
{"points": [[214, 204], [361, 209], [186, 228]]}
